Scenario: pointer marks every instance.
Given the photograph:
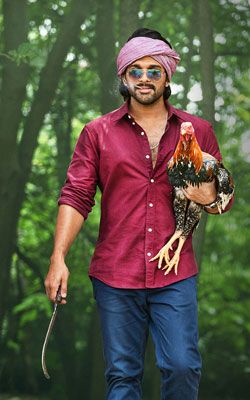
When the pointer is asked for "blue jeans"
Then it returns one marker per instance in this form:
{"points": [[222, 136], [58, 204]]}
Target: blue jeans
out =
{"points": [[170, 313]]}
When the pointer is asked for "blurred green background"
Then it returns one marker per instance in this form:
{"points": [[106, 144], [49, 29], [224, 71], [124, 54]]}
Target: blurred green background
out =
{"points": [[57, 72]]}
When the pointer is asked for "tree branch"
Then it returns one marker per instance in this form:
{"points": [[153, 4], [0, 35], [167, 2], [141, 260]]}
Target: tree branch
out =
{"points": [[49, 78], [30, 263], [14, 77]]}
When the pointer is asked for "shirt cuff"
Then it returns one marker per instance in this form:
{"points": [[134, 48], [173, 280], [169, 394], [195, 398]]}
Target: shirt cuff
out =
{"points": [[230, 204], [75, 205]]}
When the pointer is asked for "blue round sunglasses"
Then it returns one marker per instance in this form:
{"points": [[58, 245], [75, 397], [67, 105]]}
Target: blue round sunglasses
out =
{"points": [[152, 73]]}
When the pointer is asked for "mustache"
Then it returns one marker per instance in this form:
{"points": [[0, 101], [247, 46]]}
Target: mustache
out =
{"points": [[144, 86]]}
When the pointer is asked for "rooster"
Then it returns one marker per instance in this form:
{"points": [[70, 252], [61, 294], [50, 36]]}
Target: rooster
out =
{"points": [[189, 165]]}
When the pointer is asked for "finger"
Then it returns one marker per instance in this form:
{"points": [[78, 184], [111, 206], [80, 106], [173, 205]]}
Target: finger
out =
{"points": [[53, 291], [64, 286], [48, 287]]}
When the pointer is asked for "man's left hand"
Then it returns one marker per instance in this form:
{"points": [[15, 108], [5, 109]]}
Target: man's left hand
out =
{"points": [[204, 194]]}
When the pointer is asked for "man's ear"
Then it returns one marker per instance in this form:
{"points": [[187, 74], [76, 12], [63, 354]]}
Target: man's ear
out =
{"points": [[124, 80]]}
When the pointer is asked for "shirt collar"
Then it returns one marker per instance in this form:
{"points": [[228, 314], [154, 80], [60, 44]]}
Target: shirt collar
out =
{"points": [[120, 112]]}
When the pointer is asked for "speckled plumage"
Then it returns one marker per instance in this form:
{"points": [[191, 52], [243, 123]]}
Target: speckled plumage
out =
{"points": [[183, 173], [187, 213], [189, 166]]}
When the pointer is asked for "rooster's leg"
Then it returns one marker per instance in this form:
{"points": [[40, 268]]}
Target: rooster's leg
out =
{"points": [[193, 216], [164, 251], [175, 259], [180, 204]]}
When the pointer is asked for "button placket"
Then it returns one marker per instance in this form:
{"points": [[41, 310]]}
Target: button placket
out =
{"points": [[149, 234], [145, 142], [150, 210]]}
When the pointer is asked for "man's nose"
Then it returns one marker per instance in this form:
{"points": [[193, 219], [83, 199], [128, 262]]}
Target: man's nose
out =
{"points": [[144, 76]]}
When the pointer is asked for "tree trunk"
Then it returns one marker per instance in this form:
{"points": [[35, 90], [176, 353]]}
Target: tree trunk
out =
{"points": [[128, 15], [17, 172], [14, 79], [128, 19], [62, 116], [105, 45], [208, 92], [207, 60], [192, 31]]}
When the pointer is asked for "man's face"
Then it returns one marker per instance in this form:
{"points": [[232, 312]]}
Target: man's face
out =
{"points": [[146, 80]]}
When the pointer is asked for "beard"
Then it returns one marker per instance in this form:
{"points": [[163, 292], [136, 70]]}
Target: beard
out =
{"points": [[146, 98]]}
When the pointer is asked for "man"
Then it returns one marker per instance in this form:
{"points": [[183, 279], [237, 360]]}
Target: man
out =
{"points": [[125, 153]]}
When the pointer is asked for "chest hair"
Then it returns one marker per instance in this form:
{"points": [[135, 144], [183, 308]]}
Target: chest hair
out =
{"points": [[154, 134]]}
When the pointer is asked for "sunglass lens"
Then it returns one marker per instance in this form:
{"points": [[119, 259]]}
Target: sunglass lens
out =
{"points": [[136, 73], [154, 74]]}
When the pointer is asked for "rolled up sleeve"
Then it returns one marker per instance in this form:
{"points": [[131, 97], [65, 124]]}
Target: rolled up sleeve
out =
{"points": [[82, 176], [211, 144], [212, 148]]}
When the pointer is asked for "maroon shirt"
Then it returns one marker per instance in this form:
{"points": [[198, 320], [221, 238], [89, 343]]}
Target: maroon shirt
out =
{"points": [[137, 216]]}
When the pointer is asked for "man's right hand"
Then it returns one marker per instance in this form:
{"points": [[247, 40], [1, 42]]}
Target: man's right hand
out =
{"points": [[69, 222], [57, 276]]}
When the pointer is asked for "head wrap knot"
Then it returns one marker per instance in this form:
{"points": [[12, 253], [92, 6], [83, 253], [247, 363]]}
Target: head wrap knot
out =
{"points": [[142, 46]]}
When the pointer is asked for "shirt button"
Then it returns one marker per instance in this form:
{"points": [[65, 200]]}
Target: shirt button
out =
{"points": [[147, 156], [133, 123], [150, 204], [149, 254], [152, 180], [150, 229], [142, 133]]}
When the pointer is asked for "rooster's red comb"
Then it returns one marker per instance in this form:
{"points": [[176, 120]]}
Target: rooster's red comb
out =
{"points": [[187, 127]]}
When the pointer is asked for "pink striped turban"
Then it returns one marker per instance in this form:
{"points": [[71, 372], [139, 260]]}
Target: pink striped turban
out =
{"points": [[142, 46]]}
